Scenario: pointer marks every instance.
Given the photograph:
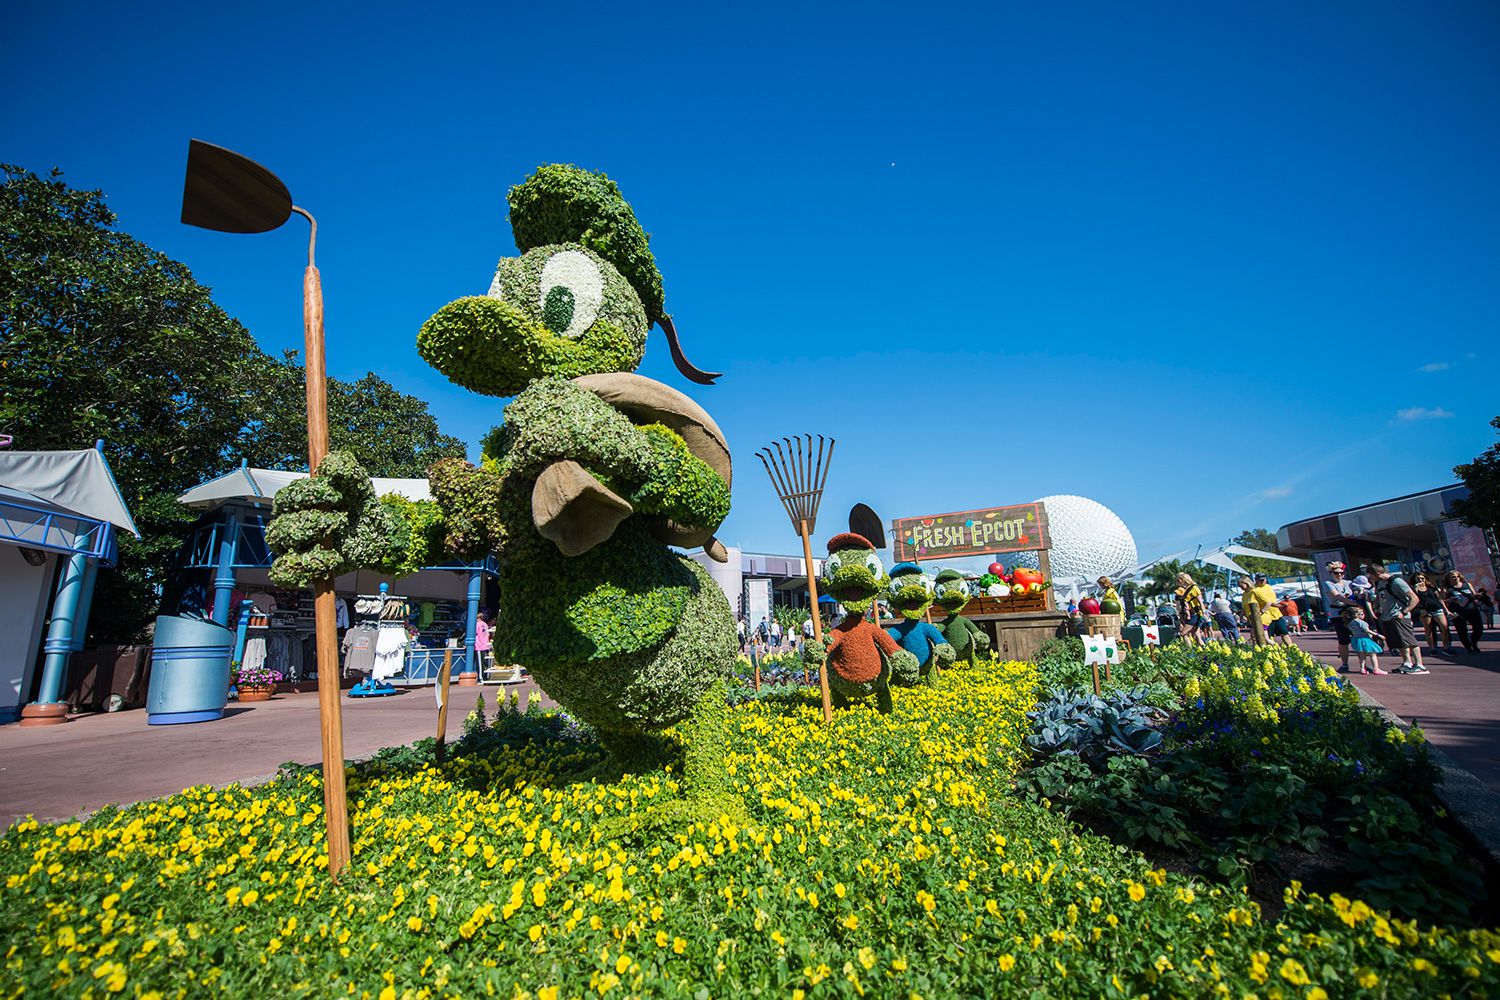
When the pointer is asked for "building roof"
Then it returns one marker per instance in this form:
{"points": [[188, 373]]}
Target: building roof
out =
{"points": [[75, 483], [1402, 522], [260, 485]]}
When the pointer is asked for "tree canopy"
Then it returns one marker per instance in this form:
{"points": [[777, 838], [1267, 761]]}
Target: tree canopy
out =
{"points": [[1161, 578], [1481, 508], [1264, 540], [103, 337]]}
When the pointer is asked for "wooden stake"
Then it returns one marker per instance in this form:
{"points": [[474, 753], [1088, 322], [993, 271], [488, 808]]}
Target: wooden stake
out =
{"points": [[335, 799], [445, 675], [812, 590], [1097, 689]]}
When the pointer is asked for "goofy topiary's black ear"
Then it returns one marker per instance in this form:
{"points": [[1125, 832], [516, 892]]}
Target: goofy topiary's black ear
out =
{"points": [[678, 358], [864, 521]]}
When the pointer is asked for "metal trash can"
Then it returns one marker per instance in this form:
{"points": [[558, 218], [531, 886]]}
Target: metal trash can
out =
{"points": [[189, 671]]}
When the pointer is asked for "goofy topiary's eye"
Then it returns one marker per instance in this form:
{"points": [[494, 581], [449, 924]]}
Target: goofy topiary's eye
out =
{"points": [[872, 563], [570, 293], [926, 582]]}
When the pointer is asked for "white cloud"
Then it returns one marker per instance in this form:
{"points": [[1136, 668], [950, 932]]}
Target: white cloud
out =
{"points": [[1436, 366], [1276, 492], [1423, 413]]}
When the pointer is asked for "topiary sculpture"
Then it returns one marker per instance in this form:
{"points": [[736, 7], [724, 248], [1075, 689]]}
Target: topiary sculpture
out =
{"points": [[911, 594], [968, 640], [859, 656], [593, 473]]}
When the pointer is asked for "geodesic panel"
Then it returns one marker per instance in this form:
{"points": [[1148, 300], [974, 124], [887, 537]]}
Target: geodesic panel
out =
{"points": [[1088, 539]]}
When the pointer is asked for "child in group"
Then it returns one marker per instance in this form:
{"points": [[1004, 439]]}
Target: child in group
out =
{"points": [[1363, 640]]}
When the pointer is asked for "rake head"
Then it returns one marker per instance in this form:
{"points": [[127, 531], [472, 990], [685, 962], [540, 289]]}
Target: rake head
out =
{"points": [[798, 470]]}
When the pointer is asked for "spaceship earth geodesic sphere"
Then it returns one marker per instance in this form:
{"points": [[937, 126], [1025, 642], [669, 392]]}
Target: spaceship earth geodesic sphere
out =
{"points": [[1088, 539]]}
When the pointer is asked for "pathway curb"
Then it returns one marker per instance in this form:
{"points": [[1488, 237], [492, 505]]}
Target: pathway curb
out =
{"points": [[1471, 803]]}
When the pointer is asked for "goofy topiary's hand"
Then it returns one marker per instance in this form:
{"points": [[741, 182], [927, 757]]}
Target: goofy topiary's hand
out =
{"points": [[981, 641], [330, 524], [944, 654], [680, 486]]}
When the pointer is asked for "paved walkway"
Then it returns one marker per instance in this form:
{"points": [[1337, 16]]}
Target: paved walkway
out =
{"points": [[55, 772], [62, 771], [1457, 704]]}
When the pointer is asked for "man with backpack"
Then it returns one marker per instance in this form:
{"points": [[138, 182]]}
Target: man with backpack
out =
{"points": [[1396, 601]]}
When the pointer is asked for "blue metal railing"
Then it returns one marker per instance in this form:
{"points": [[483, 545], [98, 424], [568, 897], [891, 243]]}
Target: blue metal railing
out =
{"points": [[201, 548], [52, 531]]}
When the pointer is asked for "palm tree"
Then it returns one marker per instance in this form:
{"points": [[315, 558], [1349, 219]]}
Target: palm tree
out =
{"points": [[1161, 578]]}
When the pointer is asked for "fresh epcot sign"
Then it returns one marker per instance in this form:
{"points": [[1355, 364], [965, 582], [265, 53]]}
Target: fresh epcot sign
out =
{"points": [[990, 531]]}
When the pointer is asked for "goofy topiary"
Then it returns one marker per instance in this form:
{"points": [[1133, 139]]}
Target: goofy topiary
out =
{"points": [[594, 472]]}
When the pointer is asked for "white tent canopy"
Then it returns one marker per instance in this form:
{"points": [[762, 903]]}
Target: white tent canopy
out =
{"points": [[250, 484], [75, 482], [1240, 550], [1220, 558]]}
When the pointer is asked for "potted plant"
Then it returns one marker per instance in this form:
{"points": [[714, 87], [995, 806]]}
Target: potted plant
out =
{"points": [[255, 683]]}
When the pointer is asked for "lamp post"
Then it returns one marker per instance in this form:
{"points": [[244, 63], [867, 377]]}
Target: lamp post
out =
{"points": [[227, 192]]}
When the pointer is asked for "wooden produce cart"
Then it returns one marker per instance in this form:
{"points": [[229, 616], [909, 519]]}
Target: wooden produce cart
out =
{"points": [[1018, 624]]}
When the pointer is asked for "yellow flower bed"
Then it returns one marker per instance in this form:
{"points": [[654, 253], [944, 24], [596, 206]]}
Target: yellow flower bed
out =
{"points": [[882, 856]]}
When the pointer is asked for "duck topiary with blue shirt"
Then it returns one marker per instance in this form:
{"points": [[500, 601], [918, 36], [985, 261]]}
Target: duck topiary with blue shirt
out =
{"points": [[911, 593]]}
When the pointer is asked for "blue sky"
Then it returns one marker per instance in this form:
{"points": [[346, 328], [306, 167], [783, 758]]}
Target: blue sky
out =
{"points": [[1214, 268]]}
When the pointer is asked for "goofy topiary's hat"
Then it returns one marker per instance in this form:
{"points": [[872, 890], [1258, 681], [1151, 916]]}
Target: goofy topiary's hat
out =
{"points": [[906, 569], [949, 575], [561, 203]]}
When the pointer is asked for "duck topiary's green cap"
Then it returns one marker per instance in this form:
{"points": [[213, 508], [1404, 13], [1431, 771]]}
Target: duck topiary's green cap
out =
{"points": [[561, 203]]}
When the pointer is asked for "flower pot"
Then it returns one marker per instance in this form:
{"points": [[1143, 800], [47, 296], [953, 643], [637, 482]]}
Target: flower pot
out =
{"points": [[256, 693], [468, 679]]}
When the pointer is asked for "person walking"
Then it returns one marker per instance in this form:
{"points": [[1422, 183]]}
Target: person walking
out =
{"points": [[740, 630], [776, 634], [1292, 615], [1338, 595], [1465, 604], [1396, 601], [1486, 607], [1223, 615], [1190, 608], [1433, 612]]}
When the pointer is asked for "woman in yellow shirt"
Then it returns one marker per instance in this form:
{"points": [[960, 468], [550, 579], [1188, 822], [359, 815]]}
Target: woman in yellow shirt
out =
{"points": [[1260, 600], [1190, 599]]}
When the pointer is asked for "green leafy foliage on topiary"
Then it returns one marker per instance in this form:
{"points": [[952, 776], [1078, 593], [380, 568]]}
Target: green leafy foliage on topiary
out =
{"points": [[329, 524], [561, 203], [419, 536], [680, 486], [469, 502], [628, 636], [533, 312]]}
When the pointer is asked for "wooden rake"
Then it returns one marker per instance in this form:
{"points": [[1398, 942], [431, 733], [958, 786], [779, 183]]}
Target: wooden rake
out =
{"points": [[798, 472]]}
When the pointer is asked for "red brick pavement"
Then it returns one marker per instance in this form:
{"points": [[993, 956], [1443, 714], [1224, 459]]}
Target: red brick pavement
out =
{"points": [[1457, 704], [61, 771]]}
